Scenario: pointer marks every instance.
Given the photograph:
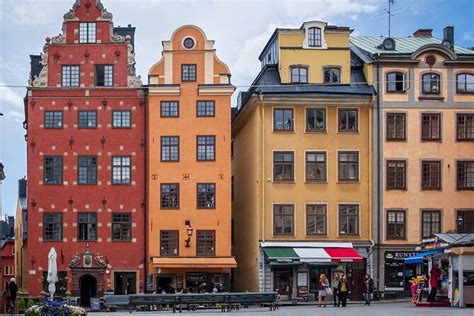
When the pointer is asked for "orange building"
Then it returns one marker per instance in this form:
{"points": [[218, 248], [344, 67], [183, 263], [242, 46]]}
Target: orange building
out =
{"points": [[189, 166]]}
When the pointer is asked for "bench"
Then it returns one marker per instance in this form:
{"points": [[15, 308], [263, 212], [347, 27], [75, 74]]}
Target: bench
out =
{"points": [[152, 300], [116, 300], [192, 301], [247, 298]]}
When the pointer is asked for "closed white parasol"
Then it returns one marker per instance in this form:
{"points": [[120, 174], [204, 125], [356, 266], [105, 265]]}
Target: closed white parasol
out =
{"points": [[52, 271]]}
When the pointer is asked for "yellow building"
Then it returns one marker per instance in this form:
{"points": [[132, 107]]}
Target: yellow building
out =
{"points": [[21, 237], [424, 147], [301, 164], [189, 191]]}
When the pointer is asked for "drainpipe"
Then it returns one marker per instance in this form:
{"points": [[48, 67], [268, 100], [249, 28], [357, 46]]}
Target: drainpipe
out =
{"points": [[146, 259], [379, 202], [262, 185]]}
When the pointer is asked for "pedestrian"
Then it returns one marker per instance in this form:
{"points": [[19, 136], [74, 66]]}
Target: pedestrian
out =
{"points": [[12, 290], [434, 276], [368, 289], [323, 286], [343, 290], [335, 289]]}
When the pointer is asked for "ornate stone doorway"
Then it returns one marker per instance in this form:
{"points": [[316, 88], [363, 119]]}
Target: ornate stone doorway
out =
{"points": [[87, 289]]}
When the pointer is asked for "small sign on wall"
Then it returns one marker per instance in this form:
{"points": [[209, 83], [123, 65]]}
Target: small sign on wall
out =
{"points": [[302, 279], [32, 271]]}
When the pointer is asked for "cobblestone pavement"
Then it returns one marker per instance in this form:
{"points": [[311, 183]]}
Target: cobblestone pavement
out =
{"points": [[391, 309]]}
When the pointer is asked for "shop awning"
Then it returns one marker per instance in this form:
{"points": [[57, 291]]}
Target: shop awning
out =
{"points": [[195, 262], [343, 254], [418, 258], [313, 254], [281, 254]]}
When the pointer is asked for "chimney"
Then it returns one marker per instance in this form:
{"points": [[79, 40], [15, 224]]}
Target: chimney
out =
{"points": [[423, 33], [448, 35]]}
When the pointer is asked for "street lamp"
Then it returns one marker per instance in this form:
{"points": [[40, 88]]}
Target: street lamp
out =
{"points": [[189, 232]]}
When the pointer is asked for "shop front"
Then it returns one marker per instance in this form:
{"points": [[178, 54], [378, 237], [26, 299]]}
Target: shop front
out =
{"points": [[192, 275], [397, 274], [295, 271]]}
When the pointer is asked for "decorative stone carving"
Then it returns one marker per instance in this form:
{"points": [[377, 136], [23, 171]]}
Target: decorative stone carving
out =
{"points": [[59, 39], [42, 79], [100, 261], [106, 14], [75, 261], [134, 81], [116, 38], [69, 15]]}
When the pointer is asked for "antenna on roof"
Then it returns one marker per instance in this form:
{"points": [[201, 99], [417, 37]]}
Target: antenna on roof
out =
{"points": [[389, 11]]}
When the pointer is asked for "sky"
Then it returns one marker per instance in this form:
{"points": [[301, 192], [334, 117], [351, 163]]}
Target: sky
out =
{"points": [[240, 30]]}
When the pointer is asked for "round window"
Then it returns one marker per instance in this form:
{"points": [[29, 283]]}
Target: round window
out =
{"points": [[188, 43]]}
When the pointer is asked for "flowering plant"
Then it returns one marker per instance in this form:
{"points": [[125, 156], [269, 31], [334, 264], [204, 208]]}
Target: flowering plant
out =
{"points": [[417, 280], [54, 308]]}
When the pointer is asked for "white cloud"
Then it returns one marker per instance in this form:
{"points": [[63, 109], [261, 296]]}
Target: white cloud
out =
{"points": [[15, 116], [468, 36], [34, 12], [8, 95]]}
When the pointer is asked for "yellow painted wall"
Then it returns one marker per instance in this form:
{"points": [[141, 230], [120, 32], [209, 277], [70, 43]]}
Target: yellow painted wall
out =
{"points": [[368, 70], [245, 206], [314, 59], [21, 255]]}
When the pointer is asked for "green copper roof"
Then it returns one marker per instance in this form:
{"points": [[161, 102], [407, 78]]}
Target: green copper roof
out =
{"points": [[403, 45]]}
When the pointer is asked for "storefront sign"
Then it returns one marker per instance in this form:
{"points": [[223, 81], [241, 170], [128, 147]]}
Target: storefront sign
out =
{"points": [[399, 255], [284, 260]]}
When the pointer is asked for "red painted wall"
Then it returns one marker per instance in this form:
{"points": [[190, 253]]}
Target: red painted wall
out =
{"points": [[70, 142], [8, 259]]}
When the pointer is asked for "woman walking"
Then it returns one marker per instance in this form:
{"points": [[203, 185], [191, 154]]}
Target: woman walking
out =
{"points": [[343, 290], [335, 289], [323, 286], [368, 289]]}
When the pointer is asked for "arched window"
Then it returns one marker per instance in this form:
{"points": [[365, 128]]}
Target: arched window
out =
{"points": [[465, 83], [314, 37], [431, 83], [395, 82]]}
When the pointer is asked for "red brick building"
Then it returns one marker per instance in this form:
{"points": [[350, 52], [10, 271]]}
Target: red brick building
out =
{"points": [[7, 253], [86, 149]]}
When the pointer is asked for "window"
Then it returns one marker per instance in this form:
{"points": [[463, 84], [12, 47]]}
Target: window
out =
{"points": [[347, 120], [396, 224], [206, 195], [396, 175], [465, 83], [315, 120], [188, 72], [9, 271], [315, 166], [169, 243], [465, 126], [121, 170], [316, 219], [87, 32], [169, 148], [283, 119], [206, 243], [430, 83], [121, 226], [86, 226], [70, 76], [283, 218], [206, 148], [169, 196], [396, 126], [52, 227], [431, 127], [53, 119], [430, 223], [121, 119], [332, 75], [348, 166], [53, 170], [169, 108], [205, 108], [87, 119], [87, 170], [396, 82], [188, 43], [299, 74], [314, 37], [104, 75], [348, 219], [465, 221], [431, 175], [465, 175], [283, 165]]}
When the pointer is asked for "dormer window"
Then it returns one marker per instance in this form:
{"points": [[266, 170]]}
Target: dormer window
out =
{"points": [[299, 74], [332, 75], [430, 83], [87, 33], [314, 37]]}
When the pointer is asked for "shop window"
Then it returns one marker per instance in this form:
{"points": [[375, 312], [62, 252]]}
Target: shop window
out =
{"points": [[431, 127], [430, 223], [396, 126], [283, 281], [396, 175], [465, 127], [315, 120], [431, 175]]}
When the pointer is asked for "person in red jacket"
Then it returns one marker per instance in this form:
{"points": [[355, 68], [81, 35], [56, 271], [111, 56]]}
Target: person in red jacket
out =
{"points": [[435, 273]]}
